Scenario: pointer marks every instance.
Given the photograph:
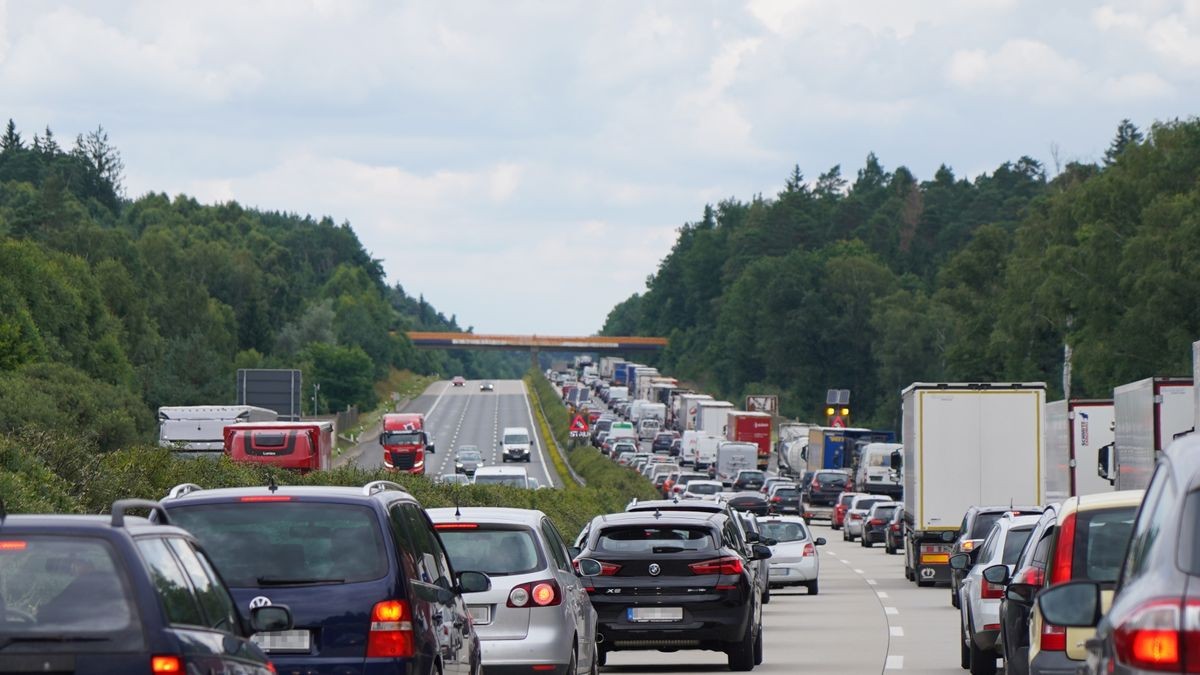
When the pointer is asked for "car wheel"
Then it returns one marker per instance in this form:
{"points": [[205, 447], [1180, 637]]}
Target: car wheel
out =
{"points": [[595, 669], [766, 596], [908, 573], [812, 587], [741, 653], [573, 664], [845, 535], [954, 597], [601, 657], [982, 663], [964, 654], [867, 543], [758, 647], [887, 548], [527, 459]]}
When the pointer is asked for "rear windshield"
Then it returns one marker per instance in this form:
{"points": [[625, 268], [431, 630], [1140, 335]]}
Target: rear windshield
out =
{"points": [[983, 524], [492, 550], [516, 439], [502, 479], [866, 504], [655, 539], [689, 477], [885, 512], [783, 531], [287, 543], [1100, 541], [704, 489], [1014, 543], [61, 586], [751, 475], [786, 492], [846, 499], [831, 478]]}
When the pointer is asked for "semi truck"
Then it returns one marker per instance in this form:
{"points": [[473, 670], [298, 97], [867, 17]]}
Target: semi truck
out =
{"points": [[1149, 414], [199, 430], [688, 407], [837, 447], [607, 364], [791, 446], [620, 373], [751, 427], [712, 416], [299, 446], [732, 457], [405, 442], [1075, 431], [965, 444]]}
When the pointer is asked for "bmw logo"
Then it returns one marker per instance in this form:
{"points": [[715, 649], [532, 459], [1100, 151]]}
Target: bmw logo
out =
{"points": [[655, 569]]}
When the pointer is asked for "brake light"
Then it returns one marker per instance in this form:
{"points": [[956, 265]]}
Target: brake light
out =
{"points": [[895, 527], [166, 664], [726, 565], [265, 498], [456, 526], [855, 516], [1033, 576], [12, 545], [391, 634], [874, 522], [815, 484], [1054, 638], [990, 591], [1151, 638], [776, 499], [809, 550], [535, 593], [606, 569], [1064, 550]]}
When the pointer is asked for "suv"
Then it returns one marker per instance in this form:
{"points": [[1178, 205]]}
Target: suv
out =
{"points": [[361, 568], [118, 594], [825, 486], [749, 479], [674, 580], [976, 524], [514, 444]]}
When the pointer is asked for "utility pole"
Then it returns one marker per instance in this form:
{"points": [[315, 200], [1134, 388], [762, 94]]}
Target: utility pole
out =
{"points": [[316, 391]]}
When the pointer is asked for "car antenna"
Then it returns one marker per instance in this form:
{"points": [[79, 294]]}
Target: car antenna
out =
{"points": [[271, 484], [3, 511]]}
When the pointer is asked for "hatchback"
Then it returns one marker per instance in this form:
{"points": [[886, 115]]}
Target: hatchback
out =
{"points": [[536, 616], [857, 512], [875, 522], [976, 524], [893, 537], [703, 489], [362, 569], [794, 560], [682, 482], [838, 519], [120, 594], [749, 479], [784, 498]]}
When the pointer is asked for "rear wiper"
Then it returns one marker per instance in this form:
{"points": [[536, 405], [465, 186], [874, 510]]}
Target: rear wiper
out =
{"points": [[280, 581], [50, 638]]}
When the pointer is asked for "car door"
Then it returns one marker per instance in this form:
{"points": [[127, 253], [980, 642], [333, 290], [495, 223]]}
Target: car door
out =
{"points": [[434, 585], [584, 614]]}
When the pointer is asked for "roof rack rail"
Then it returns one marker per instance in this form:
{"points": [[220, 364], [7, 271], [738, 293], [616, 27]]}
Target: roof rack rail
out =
{"points": [[182, 489], [376, 486], [120, 506]]}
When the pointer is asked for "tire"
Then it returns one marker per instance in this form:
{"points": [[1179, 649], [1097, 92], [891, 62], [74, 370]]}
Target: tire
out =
{"points": [[812, 586], [595, 669], [954, 597], [964, 654], [908, 572], [758, 648], [601, 656], [573, 664], [845, 535], [982, 663], [504, 459], [924, 584], [867, 543], [766, 596], [741, 653], [889, 549]]}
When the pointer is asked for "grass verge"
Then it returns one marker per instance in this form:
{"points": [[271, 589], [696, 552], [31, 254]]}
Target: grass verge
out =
{"points": [[549, 437]]}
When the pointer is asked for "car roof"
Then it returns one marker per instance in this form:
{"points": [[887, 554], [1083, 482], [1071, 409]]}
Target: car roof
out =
{"points": [[488, 514], [502, 471], [1105, 500], [660, 516], [28, 524], [190, 493], [779, 518]]}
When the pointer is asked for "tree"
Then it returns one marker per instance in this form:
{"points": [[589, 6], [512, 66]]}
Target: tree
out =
{"points": [[1127, 135], [11, 141], [346, 375]]}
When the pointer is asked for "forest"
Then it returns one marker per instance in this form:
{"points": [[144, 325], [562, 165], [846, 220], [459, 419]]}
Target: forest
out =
{"points": [[878, 281], [111, 307]]}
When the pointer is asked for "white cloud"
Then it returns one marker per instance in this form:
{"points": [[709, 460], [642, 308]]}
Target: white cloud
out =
{"points": [[1136, 87]]}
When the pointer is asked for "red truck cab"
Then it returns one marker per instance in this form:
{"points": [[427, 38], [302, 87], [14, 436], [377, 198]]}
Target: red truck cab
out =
{"points": [[751, 427], [302, 446], [405, 442]]}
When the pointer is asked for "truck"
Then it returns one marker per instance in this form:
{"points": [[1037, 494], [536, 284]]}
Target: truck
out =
{"points": [[299, 446], [620, 373], [688, 407], [199, 430], [640, 380], [874, 473], [751, 427], [1075, 430], [622, 430], [732, 457], [712, 417], [654, 410], [837, 447], [405, 442], [607, 364], [1149, 414], [793, 439], [635, 410], [965, 444], [617, 394]]}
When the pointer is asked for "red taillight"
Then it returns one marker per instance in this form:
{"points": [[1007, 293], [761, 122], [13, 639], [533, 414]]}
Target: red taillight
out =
{"points": [[265, 498], [606, 569], [1033, 576], [271, 667], [990, 591], [535, 594], [726, 565], [776, 499], [1054, 638], [814, 484], [12, 545], [895, 527], [1150, 637], [166, 664], [391, 634], [855, 516], [1064, 550], [874, 522], [809, 550], [456, 526]]}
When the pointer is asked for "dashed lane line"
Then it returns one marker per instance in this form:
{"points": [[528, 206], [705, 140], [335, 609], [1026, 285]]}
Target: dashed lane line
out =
{"points": [[894, 663]]}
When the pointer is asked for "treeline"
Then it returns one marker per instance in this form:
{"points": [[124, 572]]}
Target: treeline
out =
{"points": [[873, 284], [111, 307]]}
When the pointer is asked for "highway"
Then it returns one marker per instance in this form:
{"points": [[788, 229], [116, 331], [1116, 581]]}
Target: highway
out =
{"points": [[458, 416]]}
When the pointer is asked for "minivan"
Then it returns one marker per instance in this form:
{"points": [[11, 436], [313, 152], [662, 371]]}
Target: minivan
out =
{"points": [[514, 444]]}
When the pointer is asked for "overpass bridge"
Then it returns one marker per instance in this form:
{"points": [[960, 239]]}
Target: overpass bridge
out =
{"points": [[601, 344]]}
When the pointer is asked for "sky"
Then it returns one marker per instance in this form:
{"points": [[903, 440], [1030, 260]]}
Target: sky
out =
{"points": [[525, 165]]}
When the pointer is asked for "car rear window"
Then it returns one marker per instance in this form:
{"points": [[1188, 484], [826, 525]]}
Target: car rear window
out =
{"points": [[704, 489], [885, 512], [512, 480], [652, 539], [492, 550], [62, 586], [783, 531], [847, 499], [786, 493], [1014, 543], [288, 543], [831, 478], [1101, 537], [983, 524], [866, 504]]}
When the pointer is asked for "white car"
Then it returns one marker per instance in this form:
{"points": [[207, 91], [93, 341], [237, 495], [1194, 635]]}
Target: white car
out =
{"points": [[502, 475], [852, 527], [703, 489], [794, 559]]}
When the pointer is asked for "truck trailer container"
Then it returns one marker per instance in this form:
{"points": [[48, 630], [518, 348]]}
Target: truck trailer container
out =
{"points": [[300, 446], [712, 416], [1149, 414], [1075, 431], [751, 427], [688, 406], [199, 430]]}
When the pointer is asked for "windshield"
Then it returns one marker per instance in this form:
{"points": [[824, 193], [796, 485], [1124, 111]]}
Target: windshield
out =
{"points": [[783, 531], [492, 550], [61, 586], [513, 480], [879, 460], [655, 539], [516, 439], [468, 455], [282, 543], [401, 438]]}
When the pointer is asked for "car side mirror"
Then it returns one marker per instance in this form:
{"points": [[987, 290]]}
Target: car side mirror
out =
{"points": [[996, 574], [270, 619], [820, 541], [474, 582], [753, 537], [960, 561], [380, 439], [760, 551], [1075, 604], [588, 567]]}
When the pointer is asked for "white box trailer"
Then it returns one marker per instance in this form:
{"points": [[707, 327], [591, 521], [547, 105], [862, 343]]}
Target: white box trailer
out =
{"points": [[713, 416], [1075, 431], [199, 430], [686, 408], [965, 444], [1149, 414]]}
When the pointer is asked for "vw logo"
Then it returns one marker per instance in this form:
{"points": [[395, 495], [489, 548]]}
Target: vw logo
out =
{"points": [[260, 601], [655, 569]]}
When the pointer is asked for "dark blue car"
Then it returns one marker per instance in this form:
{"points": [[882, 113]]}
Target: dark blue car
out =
{"points": [[117, 595], [368, 582]]}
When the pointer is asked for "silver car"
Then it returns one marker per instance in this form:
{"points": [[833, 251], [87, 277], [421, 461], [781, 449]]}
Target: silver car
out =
{"points": [[794, 559], [537, 614], [857, 513]]}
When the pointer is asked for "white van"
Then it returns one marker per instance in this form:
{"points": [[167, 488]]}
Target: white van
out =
{"points": [[706, 450], [513, 476], [648, 428], [514, 444]]}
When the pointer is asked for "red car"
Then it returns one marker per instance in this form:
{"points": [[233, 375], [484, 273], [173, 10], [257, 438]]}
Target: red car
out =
{"points": [[458, 381], [839, 510]]}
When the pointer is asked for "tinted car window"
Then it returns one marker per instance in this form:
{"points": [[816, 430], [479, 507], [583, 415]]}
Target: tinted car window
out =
{"points": [[1189, 539], [496, 551], [885, 512], [1151, 524], [272, 543], [786, 493], [828, 479], [655, 539], [1100, 541], [511, 480], [214, 600], [983, 524], [172, 585], [783, 531], [65, 586], [1014, 543], [431, 562]]}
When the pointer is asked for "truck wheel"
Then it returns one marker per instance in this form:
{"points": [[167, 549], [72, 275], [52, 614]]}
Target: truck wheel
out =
{"points": [[922, 583]]}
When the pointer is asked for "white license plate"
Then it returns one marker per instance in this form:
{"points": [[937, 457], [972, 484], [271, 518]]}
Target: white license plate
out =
{"points": [[480, 614], [284, 641], [655, 613], [781, 571]]}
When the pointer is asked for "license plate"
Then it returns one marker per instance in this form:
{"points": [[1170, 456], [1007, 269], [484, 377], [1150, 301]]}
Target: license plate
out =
{"points": [[655, 614], [284, 641], [481, 614], [781, 571]]}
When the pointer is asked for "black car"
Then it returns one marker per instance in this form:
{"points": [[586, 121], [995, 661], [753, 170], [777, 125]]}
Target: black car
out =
{"points": [[120, 594], [825, 486], [676, 447], [363, 570], [874, 527], [785, 499], [750, 502], [1014, 607], [893, 537], [1152, 622], [976, 524], [749, 479], [662, 442], [669, 580]]}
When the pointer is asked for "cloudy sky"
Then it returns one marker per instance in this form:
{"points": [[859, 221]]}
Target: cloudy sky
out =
{"points": [[524, 165]]}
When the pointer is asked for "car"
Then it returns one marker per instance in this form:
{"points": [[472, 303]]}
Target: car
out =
{"points": [[762, 569], [702, 489], [598, 440], [857, 512], [1080, 539], [121, 594], [535, 484], [536, 617], [660, 478], [486, 386], [653, 560], [749, 479], [676, 448], [1151, 623], [838, 519], [976, 524], [671, 479], [512, 476], [458, 381], [979, 599], [750, 502], [287, 545], [453, 479], [893, 538], [794, 559], [663, 440], [874, 523], [784, 498], [467, 460], [825, 486], [623, 446], [773, 480], [681, 483], [624, 458], [515, 445]]}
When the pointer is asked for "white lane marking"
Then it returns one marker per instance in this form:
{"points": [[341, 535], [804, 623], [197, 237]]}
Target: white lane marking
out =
{"points": [[858, 571], [872, 582], [891, 610], [896, 631], [882, 594], [535, 436], [894, 663]]}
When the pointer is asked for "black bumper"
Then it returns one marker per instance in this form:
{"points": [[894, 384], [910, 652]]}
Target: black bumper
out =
{"points": [[705, 625]]}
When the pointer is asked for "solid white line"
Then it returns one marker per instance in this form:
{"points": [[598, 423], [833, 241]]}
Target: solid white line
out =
{"points": [[535, 435], [433, 407], [890, 610], [897, 631], [882, 594], [894, 663]]}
